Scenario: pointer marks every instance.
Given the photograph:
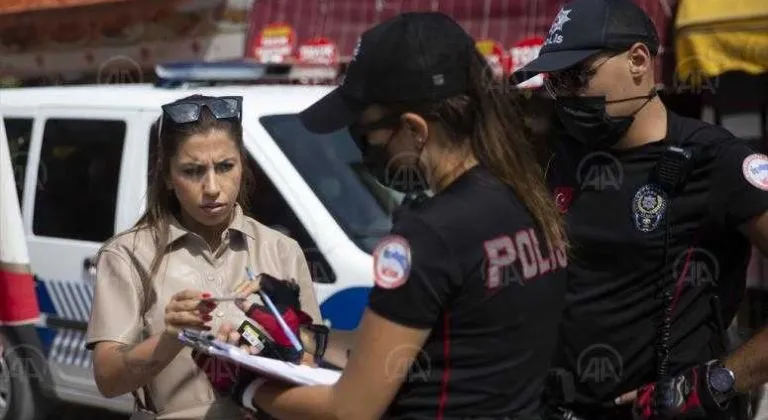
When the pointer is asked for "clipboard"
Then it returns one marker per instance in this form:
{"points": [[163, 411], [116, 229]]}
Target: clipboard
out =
{"points": [[288, 372]]}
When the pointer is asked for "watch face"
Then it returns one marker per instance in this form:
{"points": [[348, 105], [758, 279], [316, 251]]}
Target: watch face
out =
{"points": [[721, 380]]}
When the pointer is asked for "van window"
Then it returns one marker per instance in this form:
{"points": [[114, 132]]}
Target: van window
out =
{"points": [[78, 179], [19, 134], [331, 165], [270, 208]]}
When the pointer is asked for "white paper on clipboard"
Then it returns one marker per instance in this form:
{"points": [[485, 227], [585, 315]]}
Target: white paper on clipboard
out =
{"points": [[277, 369]]}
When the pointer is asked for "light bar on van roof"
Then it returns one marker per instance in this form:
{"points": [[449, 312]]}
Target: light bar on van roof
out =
{"points": [[202, 71], [242, 71]]}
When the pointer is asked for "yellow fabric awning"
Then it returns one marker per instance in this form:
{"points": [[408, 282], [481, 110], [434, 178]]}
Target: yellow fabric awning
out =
{"points": [[718, 36]]}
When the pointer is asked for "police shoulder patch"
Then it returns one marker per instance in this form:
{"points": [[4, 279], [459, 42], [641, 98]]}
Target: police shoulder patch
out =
{"points": [[391, 262], [755, 169], [648, 207]]}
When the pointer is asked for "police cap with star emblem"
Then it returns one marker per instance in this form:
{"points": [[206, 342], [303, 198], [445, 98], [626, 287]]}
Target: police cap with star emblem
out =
{"points": [[584, 28]]}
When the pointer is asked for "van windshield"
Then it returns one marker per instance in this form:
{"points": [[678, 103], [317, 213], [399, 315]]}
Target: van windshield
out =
{"points": [[331, 165]]}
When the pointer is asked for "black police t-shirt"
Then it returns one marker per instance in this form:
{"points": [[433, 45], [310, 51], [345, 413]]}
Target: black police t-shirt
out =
{"points": [[484, 280], [617, 217]]}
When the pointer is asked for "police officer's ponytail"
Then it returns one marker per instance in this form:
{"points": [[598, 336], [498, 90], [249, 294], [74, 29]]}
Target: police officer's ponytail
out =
{"points": [[500, 140]]}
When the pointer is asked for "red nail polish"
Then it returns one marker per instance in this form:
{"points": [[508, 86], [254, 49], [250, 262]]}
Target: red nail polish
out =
{"points": [[206, 295]]}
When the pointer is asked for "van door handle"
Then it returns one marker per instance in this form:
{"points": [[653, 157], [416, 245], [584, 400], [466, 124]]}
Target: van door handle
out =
{"points": [[89, 267]]}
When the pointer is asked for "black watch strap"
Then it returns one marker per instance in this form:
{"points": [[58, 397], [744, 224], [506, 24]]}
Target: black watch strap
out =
{"points": [[320, 332]]}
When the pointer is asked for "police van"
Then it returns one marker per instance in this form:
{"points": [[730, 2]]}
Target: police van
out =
{"points": [[81, 156]]}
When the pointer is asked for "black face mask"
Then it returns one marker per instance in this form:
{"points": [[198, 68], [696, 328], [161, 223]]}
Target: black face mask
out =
{"points": [[585, 118], [406, 178]]}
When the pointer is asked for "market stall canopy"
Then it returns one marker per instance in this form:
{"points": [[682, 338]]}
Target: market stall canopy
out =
{"points": [[715, 36], [509, 32], [71, 18], [20, 6], [119, 37]]}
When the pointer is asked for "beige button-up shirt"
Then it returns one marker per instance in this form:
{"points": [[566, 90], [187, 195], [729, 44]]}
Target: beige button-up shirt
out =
{"points": [[181, 390]]}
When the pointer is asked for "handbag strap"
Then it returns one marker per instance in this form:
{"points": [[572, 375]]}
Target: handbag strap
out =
{"points": [[144, 404]]}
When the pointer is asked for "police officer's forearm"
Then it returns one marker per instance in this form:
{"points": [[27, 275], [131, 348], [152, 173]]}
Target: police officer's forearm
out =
{"points": [[749, 363], [340, 345], [125, 368]]}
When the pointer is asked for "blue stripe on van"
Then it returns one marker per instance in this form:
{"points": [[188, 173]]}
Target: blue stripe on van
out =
{"points": [[70, 301], [45, 303], [345, 308]]}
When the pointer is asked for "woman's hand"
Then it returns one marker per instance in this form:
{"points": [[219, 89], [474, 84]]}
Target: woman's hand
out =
{"points": [[228, 333], [187, 309], [244, 289]]}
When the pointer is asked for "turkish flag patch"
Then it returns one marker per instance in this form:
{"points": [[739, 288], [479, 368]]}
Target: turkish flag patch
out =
{"points": [[563, 198]]}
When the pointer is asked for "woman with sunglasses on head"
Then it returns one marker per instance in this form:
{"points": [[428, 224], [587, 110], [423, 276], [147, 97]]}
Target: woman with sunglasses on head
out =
{"points": [[191, 246], [462, 319]]}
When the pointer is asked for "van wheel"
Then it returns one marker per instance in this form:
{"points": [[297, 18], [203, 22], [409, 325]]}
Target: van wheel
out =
{"points": [[19, 400]]}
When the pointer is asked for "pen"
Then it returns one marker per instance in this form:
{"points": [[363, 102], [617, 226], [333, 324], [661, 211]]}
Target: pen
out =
{"points": [[291, 336], [223, 299]]}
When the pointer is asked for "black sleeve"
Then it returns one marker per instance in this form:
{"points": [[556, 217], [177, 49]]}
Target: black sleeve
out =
{"points": [[739, 184], [417, 298]]}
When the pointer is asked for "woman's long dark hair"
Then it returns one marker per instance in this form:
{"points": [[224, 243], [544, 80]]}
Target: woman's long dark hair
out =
{"points": [[490, 115], [162, 204]]}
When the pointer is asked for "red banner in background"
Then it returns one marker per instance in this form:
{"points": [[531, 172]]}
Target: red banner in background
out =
{"points": [[319, 50], [275, 43], [522, 53], [498, 58], [509, 25]]}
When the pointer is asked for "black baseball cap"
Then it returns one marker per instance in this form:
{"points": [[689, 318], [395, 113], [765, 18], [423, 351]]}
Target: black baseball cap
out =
{"points": [[413, 57], [584, 28]]}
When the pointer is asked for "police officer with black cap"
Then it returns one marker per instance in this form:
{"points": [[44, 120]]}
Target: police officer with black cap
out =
{"points": [[469, 286], [661, 213]]}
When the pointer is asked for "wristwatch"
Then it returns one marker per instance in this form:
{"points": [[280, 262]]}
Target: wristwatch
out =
{"points": [[320, 333], [721, 381]]}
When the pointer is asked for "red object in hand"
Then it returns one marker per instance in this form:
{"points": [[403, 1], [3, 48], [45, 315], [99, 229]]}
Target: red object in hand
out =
{"points": [[685, 396], [293, 317], [222, 374], [285, 296]]}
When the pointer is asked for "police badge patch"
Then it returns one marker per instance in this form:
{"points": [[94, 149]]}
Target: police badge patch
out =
{"points": [[648, 207]]}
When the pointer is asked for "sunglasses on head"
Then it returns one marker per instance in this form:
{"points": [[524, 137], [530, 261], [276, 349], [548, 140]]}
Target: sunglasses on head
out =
{"points": [[359, 132], [189, 110]]}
